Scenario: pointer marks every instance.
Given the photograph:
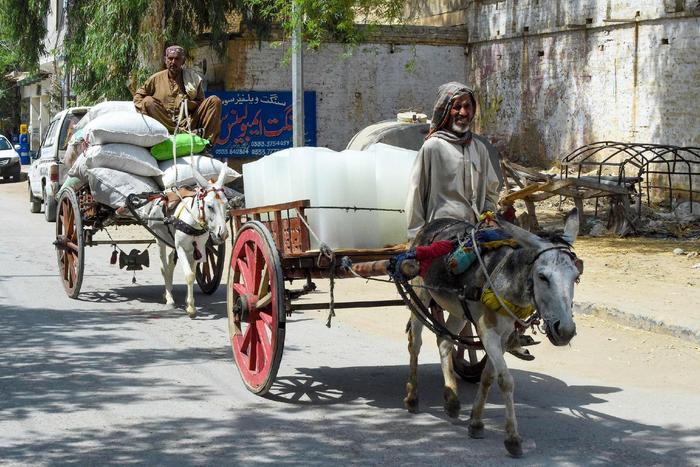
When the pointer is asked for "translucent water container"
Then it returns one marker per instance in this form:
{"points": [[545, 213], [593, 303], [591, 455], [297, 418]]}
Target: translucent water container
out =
{"points": [[374, 178], [393, 167]]}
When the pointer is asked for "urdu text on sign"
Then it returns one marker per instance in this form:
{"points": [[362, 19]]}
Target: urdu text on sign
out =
{"points": [[257, 123]]}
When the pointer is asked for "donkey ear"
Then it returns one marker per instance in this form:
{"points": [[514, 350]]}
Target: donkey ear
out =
{"points": [[571, 226], [222, 176], [201, 181], [521, 236]]}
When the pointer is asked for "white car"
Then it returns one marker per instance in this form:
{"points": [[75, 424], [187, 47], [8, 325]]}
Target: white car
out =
{"points": [[9, 160], [48, 172]]}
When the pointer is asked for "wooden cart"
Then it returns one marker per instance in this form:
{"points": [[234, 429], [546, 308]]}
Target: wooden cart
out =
{"points": [[271, 248], [79, 217]]}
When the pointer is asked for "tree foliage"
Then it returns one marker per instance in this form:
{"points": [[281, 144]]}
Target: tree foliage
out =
{"points": [[112, 46], [22, 29], [329, 20]]}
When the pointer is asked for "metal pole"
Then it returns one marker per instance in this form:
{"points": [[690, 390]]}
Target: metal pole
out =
{"points": [[297, 79]]}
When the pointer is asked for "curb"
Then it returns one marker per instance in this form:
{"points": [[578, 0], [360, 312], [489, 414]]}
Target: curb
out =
{"points": [[639, 322]]}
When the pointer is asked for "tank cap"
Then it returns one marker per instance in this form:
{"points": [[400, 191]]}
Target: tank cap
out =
{"points": [[411, 117]]}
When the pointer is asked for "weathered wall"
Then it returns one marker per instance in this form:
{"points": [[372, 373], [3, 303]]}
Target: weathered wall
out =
{"points": [[373, 83], [554, 75]]}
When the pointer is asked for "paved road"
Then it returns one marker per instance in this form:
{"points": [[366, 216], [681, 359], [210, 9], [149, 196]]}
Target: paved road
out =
{"points": [[116, 377]]}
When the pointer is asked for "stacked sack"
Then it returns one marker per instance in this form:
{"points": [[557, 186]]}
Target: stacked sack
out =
{"points": [[118, 153]]}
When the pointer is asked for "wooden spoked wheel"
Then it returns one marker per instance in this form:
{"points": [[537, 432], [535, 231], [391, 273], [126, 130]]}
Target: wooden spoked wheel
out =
{"points": [[208, 274], [70, 242], [256, 307], [468, 363]]}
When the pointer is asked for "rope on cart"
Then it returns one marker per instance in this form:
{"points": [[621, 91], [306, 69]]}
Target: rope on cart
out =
{"points": [[355, 208], [324, 251], [331, 305], [183, 112]]}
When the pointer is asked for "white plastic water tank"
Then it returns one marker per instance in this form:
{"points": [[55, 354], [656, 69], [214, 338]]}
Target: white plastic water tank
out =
{"points": [[393, 168], [375, 178]]}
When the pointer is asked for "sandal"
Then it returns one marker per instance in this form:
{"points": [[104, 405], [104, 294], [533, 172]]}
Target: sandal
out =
{"points": [[526, 340], [522, 354]]}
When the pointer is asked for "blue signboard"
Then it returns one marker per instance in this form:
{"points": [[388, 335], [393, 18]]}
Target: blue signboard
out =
{"points": [[257, 123]]}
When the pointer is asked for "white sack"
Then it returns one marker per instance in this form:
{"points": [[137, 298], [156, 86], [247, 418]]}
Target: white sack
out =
{"points": [[125, 157], [79, 168], [208, 167], [111, 187], [126, 127], [103, 108]]}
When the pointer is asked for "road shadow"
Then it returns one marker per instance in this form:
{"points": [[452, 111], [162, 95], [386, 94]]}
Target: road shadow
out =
{"points": [[61, 371], [58, 361], [554, 416], [208, 306]]}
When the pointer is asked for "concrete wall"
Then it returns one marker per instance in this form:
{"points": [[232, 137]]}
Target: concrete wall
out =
{"points": [[372, 83], [554, 75]]}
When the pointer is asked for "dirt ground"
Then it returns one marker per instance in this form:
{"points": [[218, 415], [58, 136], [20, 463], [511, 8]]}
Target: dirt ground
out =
{"points": [[638, 274]]}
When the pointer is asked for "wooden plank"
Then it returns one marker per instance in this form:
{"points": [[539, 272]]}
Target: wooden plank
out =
{"points": [[541, 196], [550, 186], [271, 208], [532, 173], [520, 194], [616, 189]]}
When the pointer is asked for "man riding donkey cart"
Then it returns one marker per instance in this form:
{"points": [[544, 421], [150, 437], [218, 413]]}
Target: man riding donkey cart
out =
{"points": [[175, 98], [453, 177], [162, 95]]}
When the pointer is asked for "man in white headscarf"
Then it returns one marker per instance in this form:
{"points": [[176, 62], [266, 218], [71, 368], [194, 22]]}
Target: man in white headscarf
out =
{"points": [[452, 176]]}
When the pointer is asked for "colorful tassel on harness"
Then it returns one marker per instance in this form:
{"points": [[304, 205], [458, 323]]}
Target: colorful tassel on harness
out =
{"points": [[427, 254], [460, 260], [489, 299]]}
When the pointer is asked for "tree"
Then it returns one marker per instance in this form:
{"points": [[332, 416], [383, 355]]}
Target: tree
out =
{"points": [[23, 27], [112, 46], [329, 20]]}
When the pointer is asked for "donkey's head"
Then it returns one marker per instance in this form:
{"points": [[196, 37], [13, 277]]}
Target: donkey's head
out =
{"points": [[214, 206], [554, 269]]}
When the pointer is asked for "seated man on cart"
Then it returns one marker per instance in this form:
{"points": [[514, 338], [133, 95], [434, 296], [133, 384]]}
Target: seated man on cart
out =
{"points": [[453, 176], [162, 94]]}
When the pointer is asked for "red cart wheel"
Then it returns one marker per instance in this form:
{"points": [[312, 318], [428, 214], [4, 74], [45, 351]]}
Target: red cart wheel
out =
{"points": [[70, 242], [256, 306], [471, 367], [208, 274]]}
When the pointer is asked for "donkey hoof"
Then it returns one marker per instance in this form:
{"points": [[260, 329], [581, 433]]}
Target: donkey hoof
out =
{"points": [[192, 313], [476, 430], [514, 446], [411, 404], [452, 405]]}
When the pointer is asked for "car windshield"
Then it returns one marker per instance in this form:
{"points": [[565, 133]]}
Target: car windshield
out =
{"points": [[4, 144], [68, 128]]}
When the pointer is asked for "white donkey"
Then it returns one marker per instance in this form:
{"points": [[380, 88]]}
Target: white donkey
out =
{"points": [[541, 274], [195, 217]]}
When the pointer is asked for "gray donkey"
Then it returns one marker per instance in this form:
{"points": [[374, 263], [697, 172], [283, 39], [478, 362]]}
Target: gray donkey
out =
{"points": [[541, 273]]}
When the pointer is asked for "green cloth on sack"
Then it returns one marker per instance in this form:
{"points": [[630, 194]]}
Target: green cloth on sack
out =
{"points": [[184, 145], [71, 182]]}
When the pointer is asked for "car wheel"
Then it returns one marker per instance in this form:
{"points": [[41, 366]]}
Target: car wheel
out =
{"points": [[50, 206], [34, 203]]}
